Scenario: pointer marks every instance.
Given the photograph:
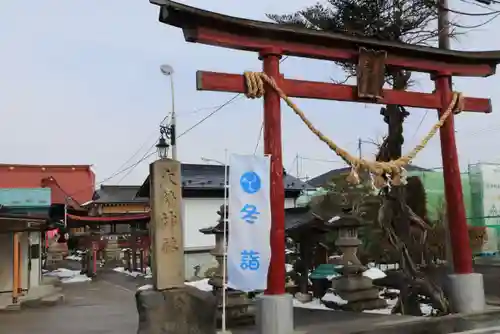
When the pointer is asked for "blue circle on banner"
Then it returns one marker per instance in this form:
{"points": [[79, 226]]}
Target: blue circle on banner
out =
{"points": [[250, 182]]}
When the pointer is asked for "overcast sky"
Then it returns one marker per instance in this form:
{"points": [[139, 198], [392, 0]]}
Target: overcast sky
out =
{"points": [[80, 84]]}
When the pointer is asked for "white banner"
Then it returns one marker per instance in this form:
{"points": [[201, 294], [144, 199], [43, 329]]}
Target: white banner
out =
{"points": [[249, 249]]}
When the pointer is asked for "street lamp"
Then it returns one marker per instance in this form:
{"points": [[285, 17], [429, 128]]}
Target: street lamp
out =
{"points": [[213, 160], [168, 71], [162, 147]]}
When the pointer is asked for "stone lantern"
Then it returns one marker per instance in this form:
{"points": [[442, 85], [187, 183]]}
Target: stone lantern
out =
{"points": [[352, 286], [239, 307]]}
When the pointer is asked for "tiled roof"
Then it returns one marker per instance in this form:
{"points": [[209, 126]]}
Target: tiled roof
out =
{"points": [[211, 177], [117, 194]]}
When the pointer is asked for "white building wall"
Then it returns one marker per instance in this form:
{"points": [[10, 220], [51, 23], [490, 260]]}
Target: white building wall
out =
{"points": [[200, 213]]}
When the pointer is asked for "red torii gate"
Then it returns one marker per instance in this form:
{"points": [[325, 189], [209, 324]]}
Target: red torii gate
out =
{"points": [[272, 41]]}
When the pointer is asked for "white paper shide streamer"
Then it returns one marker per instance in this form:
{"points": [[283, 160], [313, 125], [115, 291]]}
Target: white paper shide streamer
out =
{"points": [[249, 249]]}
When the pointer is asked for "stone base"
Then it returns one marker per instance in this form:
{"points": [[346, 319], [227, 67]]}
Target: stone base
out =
{"points": [[362, 305], [240, 310], [467, 293], [354, 296], [275, 314], [174, 311], [353, 283]]}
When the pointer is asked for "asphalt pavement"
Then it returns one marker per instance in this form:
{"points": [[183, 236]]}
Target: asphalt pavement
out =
{"points": [[107, 306], [98, 307]]}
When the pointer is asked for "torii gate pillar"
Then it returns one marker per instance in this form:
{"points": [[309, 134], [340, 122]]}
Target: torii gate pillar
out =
{"points": [[467, 287], [275, 311]]}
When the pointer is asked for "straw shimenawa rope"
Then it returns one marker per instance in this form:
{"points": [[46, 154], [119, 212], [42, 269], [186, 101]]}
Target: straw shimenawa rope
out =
{"points": [[392, 169]]}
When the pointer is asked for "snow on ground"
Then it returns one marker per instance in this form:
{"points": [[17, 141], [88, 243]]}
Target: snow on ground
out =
{"points": [[75, 256], [122, 270], [200, 285], [126, 272], [374, 273], [425, 308], [318, 305], [314, 304], [68, 276], [145, 287], [384, 267]]}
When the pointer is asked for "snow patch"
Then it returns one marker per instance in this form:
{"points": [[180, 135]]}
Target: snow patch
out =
{"points": [[374, 273], [317, 303], [333, 297], [76, 279], [424, 308], [126, 272], [201, 285], [314, 304], [145, 287], [67, 276]]}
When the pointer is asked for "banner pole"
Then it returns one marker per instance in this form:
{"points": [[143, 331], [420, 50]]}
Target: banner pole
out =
{"points": [[224, 259]]}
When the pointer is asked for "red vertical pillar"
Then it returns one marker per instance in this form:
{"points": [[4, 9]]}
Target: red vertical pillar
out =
{"points": [[457, 223], [272, 146]]}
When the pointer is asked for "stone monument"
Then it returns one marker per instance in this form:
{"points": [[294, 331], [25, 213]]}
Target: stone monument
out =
{"points": [[170, 306], [239, 308], [353, 287]]}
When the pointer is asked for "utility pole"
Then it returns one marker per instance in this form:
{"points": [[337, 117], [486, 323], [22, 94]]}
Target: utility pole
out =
{"points": [[360, 145], [173, 141], [297, 162], [443, 24], [444, 43], [168, 71]]}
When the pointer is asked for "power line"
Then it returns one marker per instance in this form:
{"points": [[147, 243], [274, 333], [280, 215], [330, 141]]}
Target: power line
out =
{"points": [[115, 174], [321, 160], [477, 25], [419, 125], [185, 132], [147, 152], [231, 100], [217, 109], [258, 138], [140, 148], [493, 12]]}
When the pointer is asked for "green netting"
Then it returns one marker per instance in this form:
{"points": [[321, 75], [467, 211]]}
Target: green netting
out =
{"points": [[481, 192], [433, 183]]}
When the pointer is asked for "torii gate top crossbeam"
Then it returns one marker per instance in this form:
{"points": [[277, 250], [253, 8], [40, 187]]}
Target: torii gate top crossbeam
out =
{"points": [[201, 26]]}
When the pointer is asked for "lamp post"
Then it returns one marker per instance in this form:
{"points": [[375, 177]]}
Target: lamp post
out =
{"points": [[168, 71], [213, 160], [162, 146]]}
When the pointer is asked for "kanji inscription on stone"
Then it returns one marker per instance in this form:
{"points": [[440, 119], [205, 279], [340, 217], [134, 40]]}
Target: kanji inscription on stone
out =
{"points": [[166, 225]]}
